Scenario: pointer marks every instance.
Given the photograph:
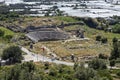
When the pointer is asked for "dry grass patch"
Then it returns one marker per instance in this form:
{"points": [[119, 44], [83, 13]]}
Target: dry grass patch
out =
{"points": [[79, 48]]}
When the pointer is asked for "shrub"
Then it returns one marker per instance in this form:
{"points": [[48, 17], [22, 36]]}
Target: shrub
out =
{"points": [[97, 64], [116, 29], [105, 74], [8, 37], [118, 73], [112, 63], [103, 56], [104, 40], [46, 64], [53, 72], [115, 53], [85, 74], [1, 33], [91, 22], [114, 40], [98, 38]]}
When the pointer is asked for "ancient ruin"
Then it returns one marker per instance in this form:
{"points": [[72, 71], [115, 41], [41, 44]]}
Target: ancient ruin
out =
{"points": [[46, 34]]}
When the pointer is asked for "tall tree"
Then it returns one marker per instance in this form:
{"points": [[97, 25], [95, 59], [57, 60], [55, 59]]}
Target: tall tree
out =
{"points": [[115, 53], [13, 54]]}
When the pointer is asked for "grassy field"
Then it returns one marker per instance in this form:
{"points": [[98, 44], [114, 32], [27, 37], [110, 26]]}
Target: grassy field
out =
{"points": [[92, 33], [79, 48], [7, 31], [65, 19]]}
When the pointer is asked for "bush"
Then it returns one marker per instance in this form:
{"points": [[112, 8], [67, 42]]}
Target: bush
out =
{"points": [[104, 40], [46, 64], [23, 71], [116, 29], [85, 74], [118, 73], [8, 37], [29, 66], [115, 53], [91, 22], [114, 40], [1, 33], [112, 63], [105, 74], [53, 72], [97, 64], [103, 56], [98, 38]]}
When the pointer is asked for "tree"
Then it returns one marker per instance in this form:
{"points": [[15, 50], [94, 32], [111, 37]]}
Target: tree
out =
{"points": [[98, 38], [55, 8], [1, 33], [91, 22], [29, 66], [102, 56], [112, 63], [47, 13], [97, 64], [114, 40], [104, 40], [13, 54], [115, 53], [116, 29], [24, 71]]}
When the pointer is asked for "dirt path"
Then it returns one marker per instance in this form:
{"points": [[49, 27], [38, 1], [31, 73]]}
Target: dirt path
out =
{"points": [[37, 58]]}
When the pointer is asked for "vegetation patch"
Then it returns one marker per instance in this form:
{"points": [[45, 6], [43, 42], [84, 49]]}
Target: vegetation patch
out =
{"points": [[7, 31]]}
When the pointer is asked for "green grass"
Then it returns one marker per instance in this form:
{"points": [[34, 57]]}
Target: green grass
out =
{"points": [[114, 71], [92, 33], [7, 31], [4, 42], [4, 39], [66, 19]]}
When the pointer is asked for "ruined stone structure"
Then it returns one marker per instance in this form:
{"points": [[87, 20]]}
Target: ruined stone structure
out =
{"points": [[15, 28], [46, 34]]}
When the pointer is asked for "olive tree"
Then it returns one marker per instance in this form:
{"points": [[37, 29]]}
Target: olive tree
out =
{"points": [[13, 54]]}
